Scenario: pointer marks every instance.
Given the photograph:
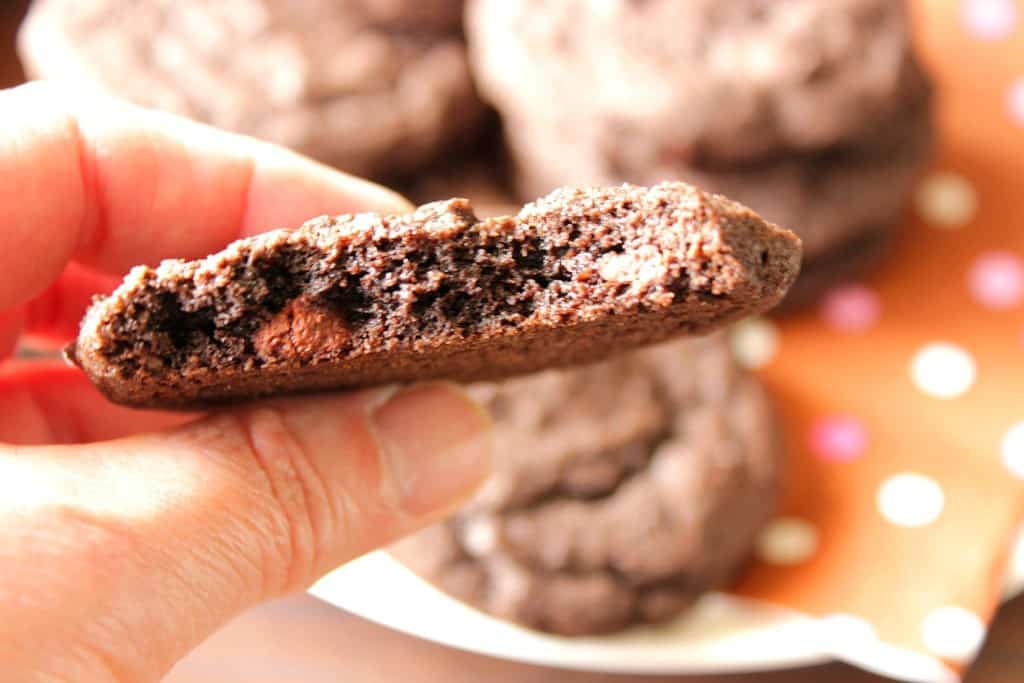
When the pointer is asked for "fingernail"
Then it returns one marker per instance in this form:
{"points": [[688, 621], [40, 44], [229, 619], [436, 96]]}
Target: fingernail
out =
{"points": [[437, 443]]}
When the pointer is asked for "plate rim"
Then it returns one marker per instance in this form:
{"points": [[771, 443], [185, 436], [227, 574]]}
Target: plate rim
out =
{"points": [[336, 589]]}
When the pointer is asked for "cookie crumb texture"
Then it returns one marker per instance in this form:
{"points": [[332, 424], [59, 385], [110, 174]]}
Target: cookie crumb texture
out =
{"points": [[363, 299], [622, 491]]}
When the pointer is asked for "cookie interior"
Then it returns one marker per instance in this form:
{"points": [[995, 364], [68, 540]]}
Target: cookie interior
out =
{"points": [[367, 284]]}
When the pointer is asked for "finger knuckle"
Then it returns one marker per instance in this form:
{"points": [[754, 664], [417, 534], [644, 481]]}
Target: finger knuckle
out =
{"points": [[293, 491]]}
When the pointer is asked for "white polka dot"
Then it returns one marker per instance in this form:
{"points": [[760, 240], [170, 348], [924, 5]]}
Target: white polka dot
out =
{"points": [[754, 342], [942, 370], [1015, 101], [910, 500], [953, 633], [1015, 569], [989, 19], [787, 541], [1012, 449], [946, 200]]}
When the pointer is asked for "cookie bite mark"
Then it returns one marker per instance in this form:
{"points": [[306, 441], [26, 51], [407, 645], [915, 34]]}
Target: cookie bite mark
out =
{"points": [[302, 331]]}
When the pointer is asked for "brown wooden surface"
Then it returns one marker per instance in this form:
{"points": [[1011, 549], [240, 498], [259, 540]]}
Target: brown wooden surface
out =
{"points": [[302, 639]]}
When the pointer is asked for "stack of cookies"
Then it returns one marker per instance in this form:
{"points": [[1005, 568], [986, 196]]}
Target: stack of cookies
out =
{"points": [[378, 88], [815, 114]]}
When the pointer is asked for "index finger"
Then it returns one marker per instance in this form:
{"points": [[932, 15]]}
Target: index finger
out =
{"points": [[112, 186]]}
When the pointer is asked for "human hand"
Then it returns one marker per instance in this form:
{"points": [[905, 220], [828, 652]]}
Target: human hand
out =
{"points": [[127, 537]]}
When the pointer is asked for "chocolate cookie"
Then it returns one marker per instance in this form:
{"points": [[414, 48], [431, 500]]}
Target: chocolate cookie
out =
{"points": [[704, 82], [374, 87], [365, 299], [622, 491], [829, 199]]}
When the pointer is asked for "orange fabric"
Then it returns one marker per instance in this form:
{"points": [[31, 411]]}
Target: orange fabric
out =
{"points": [[863, 564]]}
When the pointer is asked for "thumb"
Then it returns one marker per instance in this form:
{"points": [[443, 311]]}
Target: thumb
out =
{"points": [[119, 557]]}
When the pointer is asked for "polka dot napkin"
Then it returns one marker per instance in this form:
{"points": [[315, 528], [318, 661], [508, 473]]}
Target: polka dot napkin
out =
{"points": [[903, 395]]}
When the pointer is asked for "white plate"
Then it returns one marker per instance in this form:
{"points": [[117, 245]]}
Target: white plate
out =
{"points": [[722, 634]]}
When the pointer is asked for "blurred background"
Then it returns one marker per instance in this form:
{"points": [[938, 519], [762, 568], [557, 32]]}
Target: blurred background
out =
{"points": [[505, 120]]}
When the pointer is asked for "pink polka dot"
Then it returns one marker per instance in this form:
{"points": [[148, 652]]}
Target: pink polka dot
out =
{"points": [[996, 279], [838, 438], [1015, 101], [851, 308], [989, 19]]}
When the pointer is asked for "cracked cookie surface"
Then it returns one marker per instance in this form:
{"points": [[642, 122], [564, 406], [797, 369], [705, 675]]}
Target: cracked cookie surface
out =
{"points": [[622, 491]]}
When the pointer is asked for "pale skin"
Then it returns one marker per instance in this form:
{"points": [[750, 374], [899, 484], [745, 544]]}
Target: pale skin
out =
{"points": [[127, 537]]}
